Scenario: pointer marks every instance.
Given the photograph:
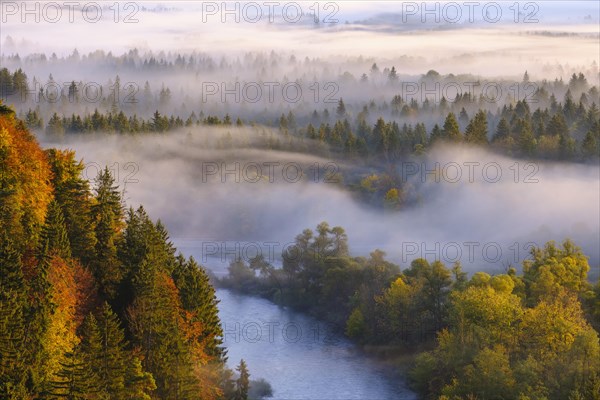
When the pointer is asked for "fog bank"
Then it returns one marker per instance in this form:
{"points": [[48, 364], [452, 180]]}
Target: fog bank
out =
{"points": [[472, 203]]}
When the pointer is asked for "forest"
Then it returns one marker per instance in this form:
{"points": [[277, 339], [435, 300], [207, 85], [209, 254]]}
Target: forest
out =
{"points": [[505, 336], [95, 303], [137, 198], [535, 120]]}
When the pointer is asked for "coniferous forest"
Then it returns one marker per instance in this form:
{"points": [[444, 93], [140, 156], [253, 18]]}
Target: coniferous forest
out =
{"points": [[326, 201], [95, 301]]}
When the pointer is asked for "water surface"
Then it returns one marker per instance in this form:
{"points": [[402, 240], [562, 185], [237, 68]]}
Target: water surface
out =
{"points": [[299, 356]]}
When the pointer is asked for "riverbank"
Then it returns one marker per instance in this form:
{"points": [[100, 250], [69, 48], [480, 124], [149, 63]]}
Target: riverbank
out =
{"points": [[397, 359], [302, 357]]}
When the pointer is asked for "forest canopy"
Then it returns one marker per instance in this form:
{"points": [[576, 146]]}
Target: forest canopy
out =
{"points": [[94, 301]]}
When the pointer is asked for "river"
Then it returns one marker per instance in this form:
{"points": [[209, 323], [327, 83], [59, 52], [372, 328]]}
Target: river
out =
{"points": [[299, 356]]}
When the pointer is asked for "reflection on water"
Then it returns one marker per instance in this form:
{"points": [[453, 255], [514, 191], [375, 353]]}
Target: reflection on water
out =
{"points": [[299, 356]]}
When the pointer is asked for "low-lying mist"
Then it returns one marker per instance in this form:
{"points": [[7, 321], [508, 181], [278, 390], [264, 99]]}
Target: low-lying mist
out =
{"points": [[473, 206], [475, 44]]}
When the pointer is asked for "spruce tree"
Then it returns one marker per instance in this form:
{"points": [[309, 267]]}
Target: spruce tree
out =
{"points": [[566, 146], [557, 126], [107, 214], [13, 303], [76, 379], [341, 109], [436, 134], [527, 142], [54, 238], [242, 382], [476, 131], [138, 383], [72, 193], [198, 296], [502, 130], [590, 146], [158, 323], [119, 373], [101, 345], [451, 130]]}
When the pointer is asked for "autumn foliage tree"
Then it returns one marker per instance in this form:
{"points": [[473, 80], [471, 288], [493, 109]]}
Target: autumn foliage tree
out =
{"points": [[68, 259], [25, 189]]}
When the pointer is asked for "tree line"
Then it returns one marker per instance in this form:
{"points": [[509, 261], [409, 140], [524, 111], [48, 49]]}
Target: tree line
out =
{"points": [[532, 335], [566, 132]]}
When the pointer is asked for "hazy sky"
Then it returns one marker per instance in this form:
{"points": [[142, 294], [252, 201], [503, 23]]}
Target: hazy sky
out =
{"points": [[454, 39]]}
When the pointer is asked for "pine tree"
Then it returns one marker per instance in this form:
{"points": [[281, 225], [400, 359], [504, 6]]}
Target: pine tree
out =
{"points": [[242, 382]]}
